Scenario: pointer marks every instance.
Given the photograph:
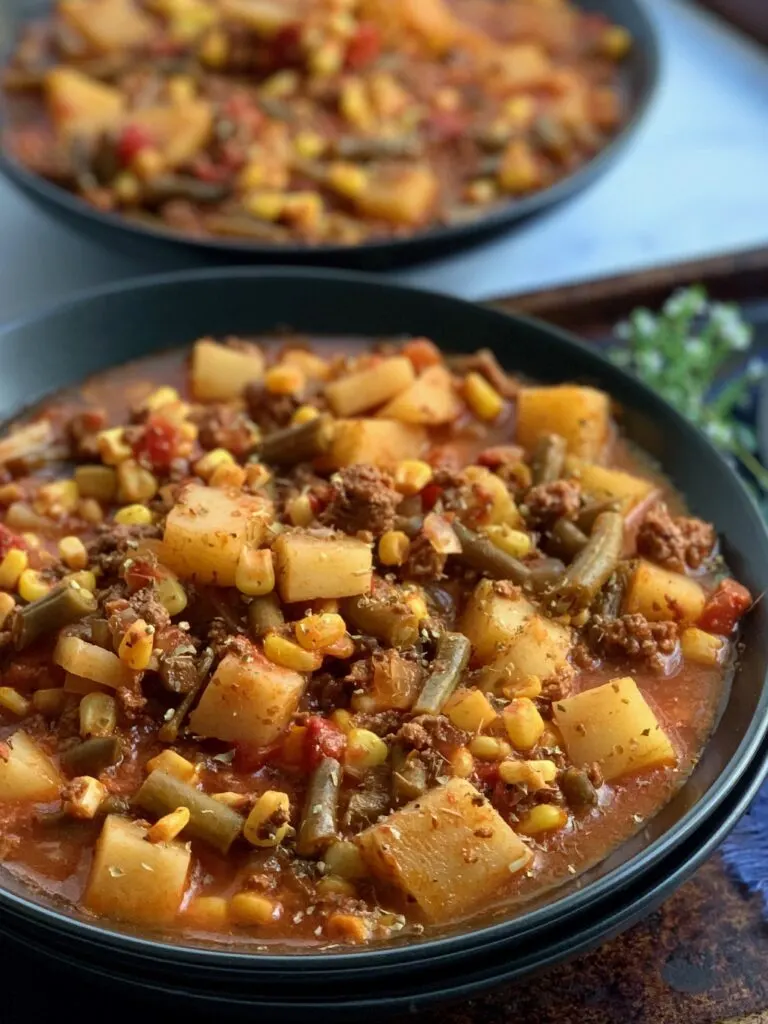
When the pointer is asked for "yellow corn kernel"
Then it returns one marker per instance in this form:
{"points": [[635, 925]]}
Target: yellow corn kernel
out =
{"points": [[181, 89], [112, 446], [169, 826], [304, 414], [316, 632], [257, 475], [300, 510], [514, 542], [292, 747], [288, 654], [284, 379], [309, 145], [171, 595], [551, 738], [255, 572], [11, 700], [697, 646], [11, 568], [83, 797], [489, 748], [173, 764], [347, 179], [49, 702], [281, 85], [57, 498], [72, 553], [347, 928], [483, 399], [134, 483], [412, 476], [343, 648], [98, 714], [615, 42], [261, 204], [417, 604], [90, 511], [205, 466], [248, 908], [343, 859], [470, 711], [208, 913], [228, 475], [520, 111], [32, 585], [161, 397], [528, 687], [341, 718], [126, 187], [330, 885], [355, 105], [327, 59], [394, 548], [189, 434], [85, 579], [135, 648], [10, 493], [31, 540], [533, 774], [365, 749], [214, 49], [462, 763], [268, 822], [133, 515], [237, 801], [542, 818], [523, 723], [7, 604], [148, 163], [482, 191]]}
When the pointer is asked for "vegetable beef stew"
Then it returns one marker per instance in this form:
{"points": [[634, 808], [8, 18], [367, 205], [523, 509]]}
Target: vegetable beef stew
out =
{"points": [[312, 121], [325, 643]]}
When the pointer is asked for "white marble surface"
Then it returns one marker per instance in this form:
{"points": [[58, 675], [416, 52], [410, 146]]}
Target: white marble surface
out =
{"points": [[693, 183]]}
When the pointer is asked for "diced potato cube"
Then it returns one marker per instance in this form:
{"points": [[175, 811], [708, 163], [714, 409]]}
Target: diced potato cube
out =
{"points": [[134, 880], [247, 701], [490, 620], [311, 566], [381, 443], [265, 17], [369, 388], [80, 105], [470, 710], [208, 527], [398, 194], [603, 484], [700, 647], [614, 726], [28, 774], [501, 508], [661, 595], [220, 373], [581, 415], [107, 25], [539, 648], [431, 400], [177, 132], [449, 850]]}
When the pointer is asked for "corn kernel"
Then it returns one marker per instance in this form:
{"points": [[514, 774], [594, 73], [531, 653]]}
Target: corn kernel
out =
{"points": [[31, 540], [470, 711], [300, 510], [520, 111], [134, 483], [697, 646], [519, 170], [523, 723], [135, 648], [98, 714], [208, 913], [255, 572], [347, 928], [304, 414], [161, 397], [57, 498], [214, 49], [489, 748], [355, 104], [551, 738], [394, 548], [72, 553], [10, 493], [284, 379], [181, 89], [112, 446], [417, 604], [268, 822], [542, 818], [615, 42], [309, 145], [483, 399], [347, 179], [83, 797], [281, 85], [514, 542], [332, 886], [90, 511], [11, 700], [257, 475], [133, 515], [49, 702], [316, 632], [11, 568], [533, 774], [85, 578], [365, 749], [7, 604], [171, 595], [341, 718], [228, 475], [148, 163], [126, 187], [248, 908], [482, 191], [462, 763], [288, 654], [327, 59], [169, 826], [529, 687], [263, 205], [292, 747], [205, 466], [343, 648], [412, 476], [237, 801], [343, 859], [173, 764], [32, 585]]}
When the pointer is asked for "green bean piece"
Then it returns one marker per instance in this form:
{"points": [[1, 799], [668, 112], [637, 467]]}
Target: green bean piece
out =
{"points": [[184, 186], [397, 147], [549, 459], [566, 539], [545, 573], [101, 634], [241, 225], [587, 574], [318, 820], [60, 607], [410, 525], [169, 732], [297, 444], [586, 518], [577, 788], [609, 601], [451, 660], [482, 554], [409, 776], [384, 615], [264, 614], [209, 820], [92, 756]]}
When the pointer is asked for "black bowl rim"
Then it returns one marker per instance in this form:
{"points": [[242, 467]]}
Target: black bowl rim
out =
{"points": [[445, 236], [568, 905]]}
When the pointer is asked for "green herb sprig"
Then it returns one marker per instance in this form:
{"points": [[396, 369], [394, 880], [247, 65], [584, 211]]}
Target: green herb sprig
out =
{"points": [[681, 351]]}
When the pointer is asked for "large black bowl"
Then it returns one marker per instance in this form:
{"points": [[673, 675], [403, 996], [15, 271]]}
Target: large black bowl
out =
{"points": [[106, 327], [639, 79]]}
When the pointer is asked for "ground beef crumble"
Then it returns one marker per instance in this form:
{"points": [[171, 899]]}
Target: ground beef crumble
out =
{"points": [[424, 562], [674, 541], [222, 426], [363, 498], [545, 503], [634, 637]]}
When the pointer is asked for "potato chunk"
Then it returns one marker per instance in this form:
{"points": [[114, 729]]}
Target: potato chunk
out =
{"points": [[613, 725], [661, 595], [247, 701], [603, 484], [178, 132], [28, 773], [491, 621], [368, 388], [220, 373], [539, 648], [134, 880], [399, 194], [380, 443], [207, 528], [311, 566], [580, 415], [430, 400], [107, 25], [80, 105], [449, 850]]}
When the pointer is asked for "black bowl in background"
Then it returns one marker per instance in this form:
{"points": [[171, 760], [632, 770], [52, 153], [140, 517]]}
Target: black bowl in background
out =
{"points": [[639, 79], [59, 347]]}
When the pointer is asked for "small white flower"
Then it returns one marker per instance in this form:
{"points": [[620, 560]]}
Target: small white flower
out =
{"points": [[650, 361], [755, 370], [644, 323], [727, 321], [685, 302], [719, 433]]}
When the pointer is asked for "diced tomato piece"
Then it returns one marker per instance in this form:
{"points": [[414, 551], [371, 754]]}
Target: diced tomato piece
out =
{"points": [[430, 495], [725, 607], [286, 46], [446, 125], [501, 455], [364, 46], [8, 540], [141, 573], [249, 758], [322, 739], [204, 169], [132, 140], [158, 443], [487, 773], [423, 353]]}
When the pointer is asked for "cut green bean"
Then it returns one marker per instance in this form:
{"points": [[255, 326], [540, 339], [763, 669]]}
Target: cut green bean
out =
{"points": [[544, 574], [264, 614], [183, 186], [566, 539], [451, 660], [586, 518], [93, 756], [318, 821], [297, 444], [209, 820], [60, 607], [169, 732], [482, 554], [384, 615], [587, 574], [549, 459], [409, 776], [101, 634]]}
